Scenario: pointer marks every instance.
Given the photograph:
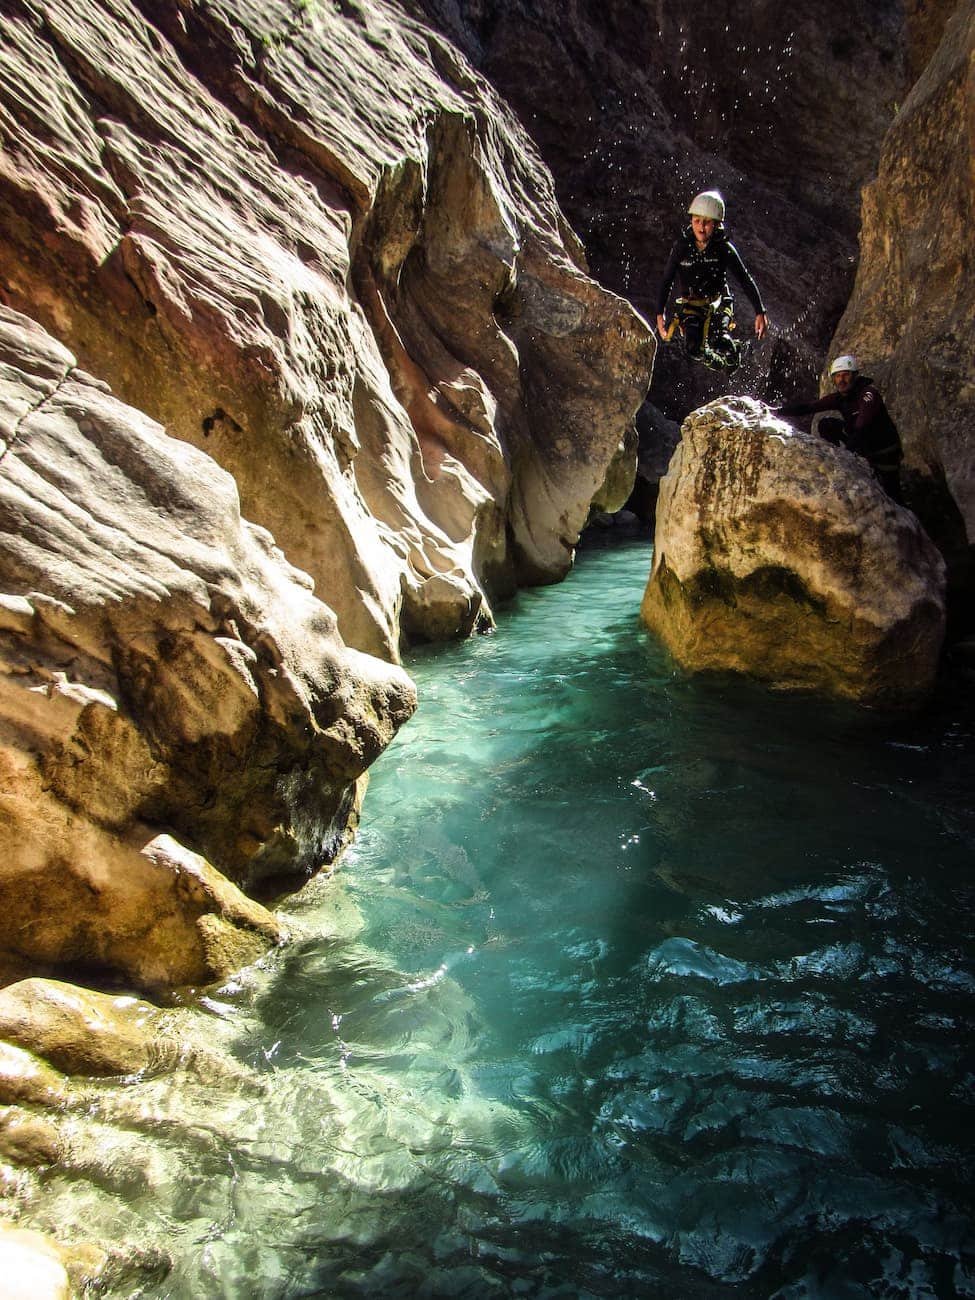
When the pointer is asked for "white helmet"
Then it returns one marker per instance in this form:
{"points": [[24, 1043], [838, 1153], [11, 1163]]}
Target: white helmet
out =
{"points": [[844, 363], [708, 203]]}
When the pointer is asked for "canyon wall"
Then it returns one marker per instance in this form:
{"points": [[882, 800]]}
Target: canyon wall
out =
{"points": [[910, 318], [310, 240], [179, 719], [300, 362]]}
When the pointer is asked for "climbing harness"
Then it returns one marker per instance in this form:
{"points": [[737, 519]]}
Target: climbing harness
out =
{"points": [[703, 315]]}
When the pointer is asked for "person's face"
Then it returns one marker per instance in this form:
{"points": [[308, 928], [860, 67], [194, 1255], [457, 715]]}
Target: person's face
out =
{"points": [[703, 228], [842, 380]]}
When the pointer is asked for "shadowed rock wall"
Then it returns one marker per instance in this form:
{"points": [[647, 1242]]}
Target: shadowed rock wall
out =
{"points": [[637, 106], [910, 319]]}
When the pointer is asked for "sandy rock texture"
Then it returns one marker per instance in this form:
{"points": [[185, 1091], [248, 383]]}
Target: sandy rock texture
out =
{"points": [[180, 718], [910, 319], [310, 239], [779, 556]]}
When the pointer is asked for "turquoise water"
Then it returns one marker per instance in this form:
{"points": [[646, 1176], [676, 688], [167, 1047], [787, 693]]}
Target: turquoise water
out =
{"points": [[664, 989]]}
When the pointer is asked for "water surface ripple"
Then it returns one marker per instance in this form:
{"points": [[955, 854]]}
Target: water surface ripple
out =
{"points": [[664, 989]]}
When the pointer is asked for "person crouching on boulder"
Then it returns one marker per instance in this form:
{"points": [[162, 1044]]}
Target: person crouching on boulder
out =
{"points": [[701, 260], [866, 427]]}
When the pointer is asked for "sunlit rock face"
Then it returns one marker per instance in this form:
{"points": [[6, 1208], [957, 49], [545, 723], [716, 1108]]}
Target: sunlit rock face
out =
{"points": [[180, 1092], [637, 107], [911, 319], [309, 239], [32, 1267], [78, 1031], [778, 555], [179, 715]]}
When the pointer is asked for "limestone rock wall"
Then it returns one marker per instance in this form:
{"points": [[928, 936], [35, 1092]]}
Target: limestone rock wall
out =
{"points": [[309, 239], [179, 718], [779, 556], [910, 319]]}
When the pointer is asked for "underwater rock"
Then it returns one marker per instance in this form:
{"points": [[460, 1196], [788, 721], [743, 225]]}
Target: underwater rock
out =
{"points": [[87, 1034], [165, 672], [25, 1079], [779, 556], [27, 1139]]}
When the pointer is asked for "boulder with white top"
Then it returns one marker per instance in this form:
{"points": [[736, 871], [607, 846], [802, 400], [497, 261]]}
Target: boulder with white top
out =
{"points": [[779, 556]]}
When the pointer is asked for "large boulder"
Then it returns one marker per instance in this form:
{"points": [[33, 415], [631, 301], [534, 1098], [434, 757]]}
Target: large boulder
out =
{"points": [[910, 319], [311, 240], [779, 556], [180, 718]]}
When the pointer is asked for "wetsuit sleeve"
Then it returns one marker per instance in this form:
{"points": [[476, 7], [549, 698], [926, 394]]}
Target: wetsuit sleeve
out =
{"points": [[868, 410], [667, 282], [827, 403], [738, 269]]}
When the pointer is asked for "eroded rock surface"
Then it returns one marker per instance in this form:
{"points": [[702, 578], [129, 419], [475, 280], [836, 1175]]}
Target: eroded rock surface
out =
{"points": [[309, 238], [779, 556], [910, 319], [180, 715]]}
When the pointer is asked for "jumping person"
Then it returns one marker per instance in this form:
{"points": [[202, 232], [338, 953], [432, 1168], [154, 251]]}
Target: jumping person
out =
{"points": [[701, 259], [866, 427]]}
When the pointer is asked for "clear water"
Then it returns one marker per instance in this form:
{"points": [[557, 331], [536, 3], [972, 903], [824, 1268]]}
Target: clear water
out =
{"points": [[664, 988]]}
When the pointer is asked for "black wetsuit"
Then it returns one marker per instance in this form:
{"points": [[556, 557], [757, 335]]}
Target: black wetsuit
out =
{"points": [[867, 430], [702, 273]]}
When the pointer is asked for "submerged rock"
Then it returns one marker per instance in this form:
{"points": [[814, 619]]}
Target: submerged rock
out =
{"points": [[90, 1035], [180, 714], [25, 1079], [779, 556], [82, 1032]]}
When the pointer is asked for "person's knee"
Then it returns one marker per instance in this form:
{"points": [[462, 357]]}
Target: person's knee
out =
{"points": [[726, 350]]}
